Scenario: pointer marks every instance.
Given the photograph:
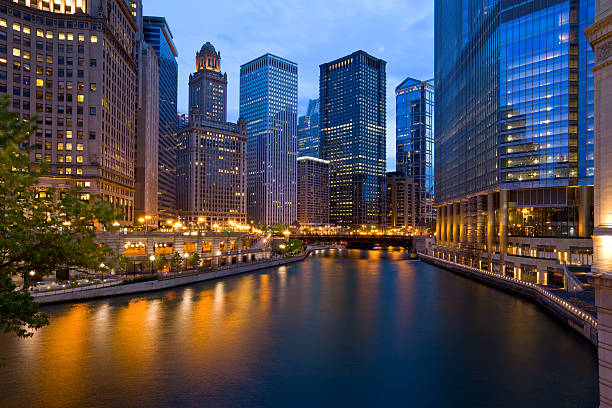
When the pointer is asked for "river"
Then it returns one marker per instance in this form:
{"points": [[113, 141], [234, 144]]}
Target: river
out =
{"points": [[343, 328]]}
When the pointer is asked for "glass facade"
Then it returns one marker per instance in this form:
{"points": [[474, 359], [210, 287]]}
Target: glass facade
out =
{"points": [[158, 34], [308, 131], [352, 94], [268, 103], [415, 142]]}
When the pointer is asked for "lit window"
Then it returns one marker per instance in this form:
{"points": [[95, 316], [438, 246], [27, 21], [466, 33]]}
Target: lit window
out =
{"points": [[93, 87], [40, 33], [60, 146], [79, 171], [68, 159], [68, 170], [49, 34], [26, 55], [80, 147], [16, 52], [2, 22], [16, 27], [88, 184], [81, 37], [94, 39], [68, 146], [79, 159], [69, 134], [26, 29], [61, 36], [39, 82], [69, 36], [80, 98]]}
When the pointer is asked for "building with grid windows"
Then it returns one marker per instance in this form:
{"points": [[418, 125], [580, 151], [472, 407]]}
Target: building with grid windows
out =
{"points": [[268, 103], [402, 202], [415, 142], [308, 131], [158, 35], [353, 130], [73, 64], [208, 86], [211, 156], [514, 134], [313, 191]]}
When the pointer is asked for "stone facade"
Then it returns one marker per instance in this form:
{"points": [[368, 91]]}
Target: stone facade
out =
{"points": [[312, 191]]}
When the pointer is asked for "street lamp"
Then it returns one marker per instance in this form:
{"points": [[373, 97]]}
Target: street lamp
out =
{"points": [[102, 271], [152, 258], [186, 256]]}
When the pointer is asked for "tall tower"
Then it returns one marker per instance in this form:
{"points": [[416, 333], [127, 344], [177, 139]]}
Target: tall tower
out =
{"points": [[353, 130], [268, 103], [308, 131], [208, 86]]}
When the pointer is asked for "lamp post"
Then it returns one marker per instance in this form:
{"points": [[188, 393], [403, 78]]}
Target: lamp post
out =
{"points": [[186, 256], [151, 259], [102, 272]]}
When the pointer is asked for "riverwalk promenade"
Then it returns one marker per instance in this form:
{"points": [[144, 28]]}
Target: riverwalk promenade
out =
{"points": [[577, 318]]}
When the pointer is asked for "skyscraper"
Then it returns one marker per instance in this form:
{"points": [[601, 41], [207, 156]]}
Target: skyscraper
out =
{"points": [[313, 191], [401, 201], [56, 55], [308, 131], [158, 34], [208, 86], [353, 130], [514, 134], [268, 103], [415, 142]]}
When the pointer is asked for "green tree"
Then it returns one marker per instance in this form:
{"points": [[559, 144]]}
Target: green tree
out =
{"points": [[176, 261], [431, 227], [160, 262], [194, 260], [42, 230], [124, 263]]}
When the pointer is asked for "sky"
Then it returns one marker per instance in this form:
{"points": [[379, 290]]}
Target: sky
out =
{"points": [[308, 33]]}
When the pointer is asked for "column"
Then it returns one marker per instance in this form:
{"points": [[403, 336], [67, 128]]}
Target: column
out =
{"points": [[438, 225], [449, 223], [441, 224], [503, 229], [462, 220], [490, 227], [585, 200], [455, 223], [600, 37], [480, 220]]}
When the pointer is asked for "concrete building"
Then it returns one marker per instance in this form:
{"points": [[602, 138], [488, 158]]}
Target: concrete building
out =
{"points": [[313, 191], [211, 158], [402, 208], [208, 86], [309, 136], [352, 95], [157, 33], [600, 37], [73, 64], [268, 102], [147, 136], [514, 136], [415, 142]]}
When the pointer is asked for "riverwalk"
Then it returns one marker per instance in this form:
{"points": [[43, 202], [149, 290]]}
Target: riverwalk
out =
{"points": [[577, 318]]}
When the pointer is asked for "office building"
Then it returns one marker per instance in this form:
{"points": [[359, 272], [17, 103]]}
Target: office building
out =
{"points": [[353, 130], [268, 103], [514, 135], [313, 191], [54, 62], [183, 119], [157, 33], [415, 142], [308, 131], [211, 161], [208, 86], [402, 199]]}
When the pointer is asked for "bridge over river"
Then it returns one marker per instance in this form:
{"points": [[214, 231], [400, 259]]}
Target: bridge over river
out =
{"points": [[359, 241]]}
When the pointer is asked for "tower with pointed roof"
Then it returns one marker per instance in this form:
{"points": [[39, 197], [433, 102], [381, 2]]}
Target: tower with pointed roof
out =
{"points": [[208, 86]]}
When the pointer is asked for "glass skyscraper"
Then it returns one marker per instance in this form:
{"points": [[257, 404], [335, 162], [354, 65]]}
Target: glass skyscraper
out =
{"points": [[268, 103], [352, 93], [308, 131], [158, 34], [415, 142], [514, 133]]}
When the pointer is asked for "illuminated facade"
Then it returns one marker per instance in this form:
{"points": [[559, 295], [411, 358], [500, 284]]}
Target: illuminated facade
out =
{"points": [[268, 102], [313, 191], [514, 134], [208, 86], [308, 131], [158, 34], [415, 142], [352, 95], [73, 64]]}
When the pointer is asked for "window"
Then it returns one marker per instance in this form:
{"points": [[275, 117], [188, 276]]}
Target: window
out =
{"points": [[69, 146], [68, 159], [92, 135], [49, 35], [16, 52], [92, 87], [60, 158], [60, 146], [81, 37], [26, 29], [39, 82], [79, 159], [69, 134], [88, 184], [16, 27], [93, 39], [2, 22], [92, 110], [80, 98], [61, 36], [92, 62], [40, 33], [69, 36], [80, 147]]}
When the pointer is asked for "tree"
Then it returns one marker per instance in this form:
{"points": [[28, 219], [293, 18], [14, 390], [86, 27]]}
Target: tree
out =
{"points": [[176, 261], [431, 227], [160, 262], [124, 263], [42, 230], [194, 260]]}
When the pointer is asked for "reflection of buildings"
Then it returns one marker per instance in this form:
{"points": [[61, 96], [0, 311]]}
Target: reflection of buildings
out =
{"points": [[514, 134], [54, 63], [415, 142], [211, 162], [313, 191], [353, 125], [308, 131], [401, 201], [268, 102]]}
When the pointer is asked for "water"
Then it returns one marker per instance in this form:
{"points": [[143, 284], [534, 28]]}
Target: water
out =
{"points": [[361, 328]]}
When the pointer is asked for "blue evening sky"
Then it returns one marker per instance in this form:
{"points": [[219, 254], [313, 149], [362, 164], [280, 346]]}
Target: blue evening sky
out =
{"points": [[306, 32]]}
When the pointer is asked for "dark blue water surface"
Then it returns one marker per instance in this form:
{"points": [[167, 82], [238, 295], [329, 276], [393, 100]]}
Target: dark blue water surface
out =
{"points": [[343, 328]]}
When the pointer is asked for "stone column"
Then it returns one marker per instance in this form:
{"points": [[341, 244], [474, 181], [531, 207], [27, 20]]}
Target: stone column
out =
{"points": [[600, 37], [584, 211], [503, 229], [480, 220], [455, 223], [462, 220], [449, 223], [438, 219], [441, 223], [490, 227]]}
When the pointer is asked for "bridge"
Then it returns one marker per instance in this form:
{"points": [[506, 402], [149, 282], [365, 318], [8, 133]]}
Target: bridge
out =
{"points": [[359, 241]]}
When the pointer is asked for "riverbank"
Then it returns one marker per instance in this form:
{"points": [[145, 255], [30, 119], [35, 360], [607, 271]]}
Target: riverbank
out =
{"points": [[576, 318], [165, 282]]}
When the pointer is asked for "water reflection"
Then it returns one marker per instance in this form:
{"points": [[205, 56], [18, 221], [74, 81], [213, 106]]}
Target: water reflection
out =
{"points": [[346, 327]]}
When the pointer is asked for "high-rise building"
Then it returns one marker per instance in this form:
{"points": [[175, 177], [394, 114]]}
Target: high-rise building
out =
{"points": [[208, 86], [308, 131], [268, 102], [415, 142], [353, 129], [183, 119], [514, 134], [313, 191], [158, 34], [56, 55], [211, 160], [401, 202]]}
